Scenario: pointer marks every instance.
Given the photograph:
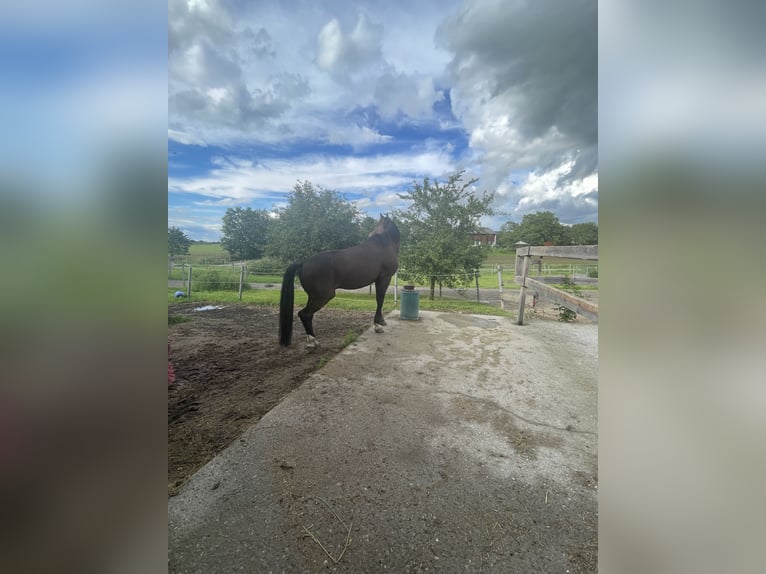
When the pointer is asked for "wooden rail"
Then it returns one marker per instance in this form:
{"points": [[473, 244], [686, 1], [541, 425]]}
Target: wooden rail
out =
{"points": [[558, 296]]}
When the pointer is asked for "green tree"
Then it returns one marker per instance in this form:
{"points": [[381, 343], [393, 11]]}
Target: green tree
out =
{"points": [[542, 227], [314, 220], [245, 232], [435, 244], [585, 233], [506, 236], [178, 243]]}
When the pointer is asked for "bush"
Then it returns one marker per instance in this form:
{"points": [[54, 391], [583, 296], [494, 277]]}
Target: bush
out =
{"points": [[212, 280], [593, 272], [266, 265]]}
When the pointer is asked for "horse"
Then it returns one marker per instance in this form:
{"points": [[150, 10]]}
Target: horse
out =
{"points": [[374, 261]]}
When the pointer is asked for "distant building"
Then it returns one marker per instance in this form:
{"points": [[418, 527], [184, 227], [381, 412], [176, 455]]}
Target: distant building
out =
{"points": [[484, 236]]}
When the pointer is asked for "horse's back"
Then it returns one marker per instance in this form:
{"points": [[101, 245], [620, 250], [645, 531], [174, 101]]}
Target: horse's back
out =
{"points": [[351, 268]]}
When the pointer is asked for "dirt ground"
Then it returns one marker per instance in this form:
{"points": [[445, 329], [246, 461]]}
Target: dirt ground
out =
{"points": [[230, 371]]}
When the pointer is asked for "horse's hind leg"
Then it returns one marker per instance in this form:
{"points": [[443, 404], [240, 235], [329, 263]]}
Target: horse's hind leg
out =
{"points": [[381, 286], [307, 319], [306, 316]]}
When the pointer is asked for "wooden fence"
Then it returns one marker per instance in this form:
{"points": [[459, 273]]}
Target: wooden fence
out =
{"points": [[530, 254]]}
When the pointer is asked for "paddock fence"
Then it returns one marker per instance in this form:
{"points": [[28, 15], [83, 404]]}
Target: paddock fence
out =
{"points": [[496, 285], [528, 256]]}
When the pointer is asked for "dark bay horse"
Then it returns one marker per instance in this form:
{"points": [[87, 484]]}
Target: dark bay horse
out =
{"points": [[374, 261]]}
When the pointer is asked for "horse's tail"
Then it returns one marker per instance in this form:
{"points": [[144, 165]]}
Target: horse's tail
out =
{"points": [[286, 302]]}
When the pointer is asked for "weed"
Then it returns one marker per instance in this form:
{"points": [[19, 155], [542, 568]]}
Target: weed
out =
{"points": [[349, 338], [568, 284], [175, 319], [565, 314]]}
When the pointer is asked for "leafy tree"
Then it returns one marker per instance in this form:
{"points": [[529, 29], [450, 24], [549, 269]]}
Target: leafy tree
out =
{"points": [[245, 232], [314, 220], [178, 243], [540, 228], [584, 233], [435, 230], [506, 236]]}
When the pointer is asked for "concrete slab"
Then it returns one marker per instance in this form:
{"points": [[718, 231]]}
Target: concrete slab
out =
{"points": [[455, 443]]}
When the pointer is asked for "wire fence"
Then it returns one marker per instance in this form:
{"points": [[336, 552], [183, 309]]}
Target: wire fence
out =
{"points": [[489, 284]]}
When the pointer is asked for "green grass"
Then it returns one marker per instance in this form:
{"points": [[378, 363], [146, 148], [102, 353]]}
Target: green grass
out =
{"points": [[201, 253], [207, 249], [347, 301]]}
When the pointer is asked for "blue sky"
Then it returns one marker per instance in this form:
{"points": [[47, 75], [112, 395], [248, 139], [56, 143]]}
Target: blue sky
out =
{"points": [[366, 97]]}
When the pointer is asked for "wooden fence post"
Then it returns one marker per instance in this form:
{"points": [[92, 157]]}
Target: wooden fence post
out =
{"points": [[188, 289], [241, 280], [478, 298], [500, 278]]}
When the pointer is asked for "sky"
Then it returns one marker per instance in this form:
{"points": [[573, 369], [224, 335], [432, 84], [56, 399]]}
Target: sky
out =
{"points": [[364, 98]]}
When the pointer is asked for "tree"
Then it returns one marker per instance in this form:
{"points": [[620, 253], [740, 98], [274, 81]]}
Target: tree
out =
{"points": [[436, 244], [245, 232], [584, 233], [314, 220], [506, 236], [540, 228], [178, 243]]}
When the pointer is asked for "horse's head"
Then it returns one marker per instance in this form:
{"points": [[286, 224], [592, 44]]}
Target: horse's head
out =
{"points": [[386, 226]]}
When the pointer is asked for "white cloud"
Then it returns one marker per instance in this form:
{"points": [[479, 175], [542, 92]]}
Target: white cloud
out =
{"points": [[269, 74], [185, 138], [414, 95], [574, 201], [356, 136], [343, 55], [243, 180]]}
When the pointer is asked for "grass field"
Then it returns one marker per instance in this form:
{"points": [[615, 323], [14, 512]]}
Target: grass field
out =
{"points": [[349, 301], [204, 253]]}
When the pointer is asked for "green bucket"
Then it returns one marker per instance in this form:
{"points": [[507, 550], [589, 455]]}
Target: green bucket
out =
{"points": [[410, 307]]}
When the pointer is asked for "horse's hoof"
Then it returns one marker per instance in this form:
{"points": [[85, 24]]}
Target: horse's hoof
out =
{"points": [[312, 342], [382, 322], [378, 328]]}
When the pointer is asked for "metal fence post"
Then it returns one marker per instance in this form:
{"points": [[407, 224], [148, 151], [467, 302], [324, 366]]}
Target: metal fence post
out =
{"points": [[523, 295], [188, 289], [500, 278]]}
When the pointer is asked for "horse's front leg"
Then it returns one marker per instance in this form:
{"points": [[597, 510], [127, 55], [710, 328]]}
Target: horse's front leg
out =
{"points": [[381, 286]]}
